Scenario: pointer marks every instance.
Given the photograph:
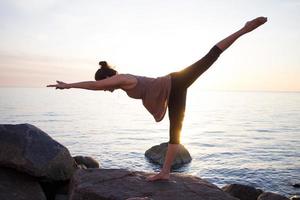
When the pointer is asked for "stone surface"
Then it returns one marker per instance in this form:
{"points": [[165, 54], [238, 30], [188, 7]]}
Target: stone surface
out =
{"points": [[61, 197], [18, 186], [89, 162], [243, 192], [156, 154], [93, 184], [296, 197], [28, 149], [271, 196]]}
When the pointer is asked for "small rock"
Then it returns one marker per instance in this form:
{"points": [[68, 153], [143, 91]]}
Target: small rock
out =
{"points": [[89, 162], [19, 186], [28, 149], [271, 196], [296, 197], [243, 192], [156, 154], [120, 184], [296, 185]]}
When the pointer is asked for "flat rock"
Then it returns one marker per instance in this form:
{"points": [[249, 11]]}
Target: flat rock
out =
{"points": [[19, 186], [87, 161], [117, 184], [28, 149], [157, 153], [271, 196], [243, 192]]}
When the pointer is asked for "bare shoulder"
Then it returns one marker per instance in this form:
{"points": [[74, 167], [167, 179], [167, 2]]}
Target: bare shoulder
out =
{"points": [[128, 81]]}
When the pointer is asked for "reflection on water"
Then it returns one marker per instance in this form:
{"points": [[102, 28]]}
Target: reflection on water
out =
{"points": [[245, 137]]}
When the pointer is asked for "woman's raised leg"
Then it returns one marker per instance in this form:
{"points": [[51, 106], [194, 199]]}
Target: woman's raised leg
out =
{"points": [[188, 75]]}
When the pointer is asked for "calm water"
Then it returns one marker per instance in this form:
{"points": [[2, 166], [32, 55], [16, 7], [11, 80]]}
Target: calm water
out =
{"points": [[233, 137]]}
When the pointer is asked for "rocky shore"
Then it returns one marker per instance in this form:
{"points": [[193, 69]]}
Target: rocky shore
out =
{"points": [[33, 166]]}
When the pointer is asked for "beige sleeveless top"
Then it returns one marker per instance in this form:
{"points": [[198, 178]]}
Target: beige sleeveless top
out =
{"points": [[154, 93]]}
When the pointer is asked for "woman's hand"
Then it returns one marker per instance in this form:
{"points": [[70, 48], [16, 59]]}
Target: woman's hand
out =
{"points": [[60, 85]]}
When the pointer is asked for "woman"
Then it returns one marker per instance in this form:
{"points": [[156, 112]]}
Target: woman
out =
{"points": [[161, 93]]}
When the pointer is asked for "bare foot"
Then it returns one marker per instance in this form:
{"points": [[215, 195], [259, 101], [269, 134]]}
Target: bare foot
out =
{"points": [[253, 24], [159, 176]]}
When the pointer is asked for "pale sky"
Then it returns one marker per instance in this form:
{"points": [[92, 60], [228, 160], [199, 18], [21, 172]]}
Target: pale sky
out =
{"points": [[48, 40]]}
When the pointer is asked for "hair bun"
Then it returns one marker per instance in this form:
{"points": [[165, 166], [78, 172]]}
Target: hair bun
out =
{"points": [[103, 64]]}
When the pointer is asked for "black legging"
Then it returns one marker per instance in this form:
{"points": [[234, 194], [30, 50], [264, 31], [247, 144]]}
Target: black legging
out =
{"points": [[180, 82]]}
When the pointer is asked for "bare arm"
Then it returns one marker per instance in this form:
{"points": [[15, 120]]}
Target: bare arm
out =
{"points": [[114, 82]]}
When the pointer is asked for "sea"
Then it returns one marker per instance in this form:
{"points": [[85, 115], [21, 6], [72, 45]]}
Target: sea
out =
{"points": [[240, 137]]}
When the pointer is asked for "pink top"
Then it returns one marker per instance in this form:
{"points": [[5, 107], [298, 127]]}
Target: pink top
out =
{"points": [[154, 93]]}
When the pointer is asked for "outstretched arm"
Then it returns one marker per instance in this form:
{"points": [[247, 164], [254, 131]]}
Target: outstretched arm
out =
{"points": [[114, 82]]}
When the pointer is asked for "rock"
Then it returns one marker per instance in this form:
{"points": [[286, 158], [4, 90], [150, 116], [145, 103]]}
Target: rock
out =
{"points": [[117, 184], [139, 198], [28, 149], [156, 154], [271, 196], [19, 186], [61, 197], [243, 192], [89, 162], [296, 185], [54, 188], [296, 197]]}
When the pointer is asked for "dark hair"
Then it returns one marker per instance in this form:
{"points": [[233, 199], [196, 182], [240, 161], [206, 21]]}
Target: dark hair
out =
{"points": [[105, 71]]}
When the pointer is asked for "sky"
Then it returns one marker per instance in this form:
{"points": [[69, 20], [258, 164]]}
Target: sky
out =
{"points": [[49, 40]]}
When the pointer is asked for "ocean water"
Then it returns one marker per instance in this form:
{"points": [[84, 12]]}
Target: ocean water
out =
{"points": [[234, 137]]}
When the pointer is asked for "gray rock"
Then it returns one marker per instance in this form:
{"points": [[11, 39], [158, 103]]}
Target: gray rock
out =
{"points": [[156, 154], [28, 149], [271, 196], [117, 184], [89, 162], [296, 197], [243, 192], [61, 197], [18, 186]]}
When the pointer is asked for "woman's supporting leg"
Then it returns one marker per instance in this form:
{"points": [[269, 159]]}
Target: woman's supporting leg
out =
{"points": [[176, 109]]}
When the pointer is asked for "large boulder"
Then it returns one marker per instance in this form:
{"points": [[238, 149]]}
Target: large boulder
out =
{"points": [[28, 149], [87, 161], [157, 153], [18, 186], [243, 192], [271, 196], [117, 184]]}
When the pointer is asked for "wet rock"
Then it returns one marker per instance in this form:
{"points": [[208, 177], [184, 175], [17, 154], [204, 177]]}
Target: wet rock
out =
{"points": [[271, 196], [156, 154], [89, 162], [92, 184], [28, 149], [296, 197], [243, 192], [19, 186], [296, 185]]}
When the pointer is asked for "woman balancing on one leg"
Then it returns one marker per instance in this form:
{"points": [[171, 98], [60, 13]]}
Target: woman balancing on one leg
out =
{"points": [[161, 93]]}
